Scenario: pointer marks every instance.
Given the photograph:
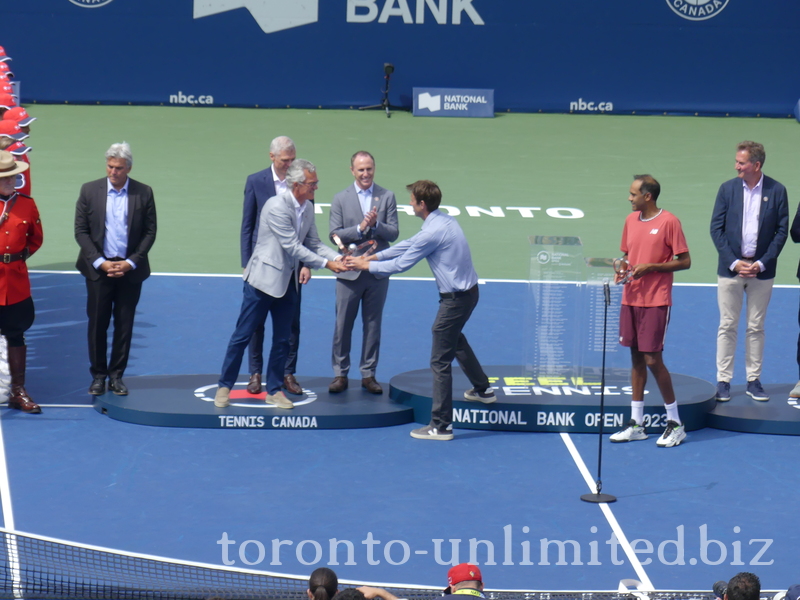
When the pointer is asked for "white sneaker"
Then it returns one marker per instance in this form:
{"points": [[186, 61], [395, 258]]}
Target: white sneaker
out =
{"points": [[222, 397], [431, 433], [632, 433], [279, 399], [673, 435], [486, 396], [795, 393]]}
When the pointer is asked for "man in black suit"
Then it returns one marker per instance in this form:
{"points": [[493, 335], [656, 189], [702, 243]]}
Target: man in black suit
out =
{"points": [[115, 227], [259, 188], [749, 226]]}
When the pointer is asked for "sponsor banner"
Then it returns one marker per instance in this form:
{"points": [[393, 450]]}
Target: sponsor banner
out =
{"points": [[453, 102], [580, 56]]}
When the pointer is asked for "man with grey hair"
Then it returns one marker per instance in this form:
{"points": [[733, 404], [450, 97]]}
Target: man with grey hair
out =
{"points": [[287, 235], [115, 227], [749, 226], [259, 188]]}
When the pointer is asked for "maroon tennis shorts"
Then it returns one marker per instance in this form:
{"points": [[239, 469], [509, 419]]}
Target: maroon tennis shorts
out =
{"points": [[643, 327]]}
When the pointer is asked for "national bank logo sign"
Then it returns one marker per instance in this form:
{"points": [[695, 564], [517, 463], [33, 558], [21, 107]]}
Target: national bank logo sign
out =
{"points": [[451, 102], [277, 15], [697, 10], [271, 15]]}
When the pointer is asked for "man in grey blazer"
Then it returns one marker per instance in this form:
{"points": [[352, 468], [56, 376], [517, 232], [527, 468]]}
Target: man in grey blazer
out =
{"points": [[287, 236], [363, 211]]}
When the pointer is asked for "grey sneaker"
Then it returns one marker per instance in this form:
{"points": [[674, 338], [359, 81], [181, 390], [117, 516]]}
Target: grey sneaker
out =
{"points": [[279, 399], [673, 435], [795, 393], [631, 433], [723, 391], [431, 433], [486, 396], [756, 392], [223, 397]]}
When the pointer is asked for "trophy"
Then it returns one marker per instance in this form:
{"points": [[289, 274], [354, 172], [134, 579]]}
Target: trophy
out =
{"points": [[623, 270], [362, 249]]}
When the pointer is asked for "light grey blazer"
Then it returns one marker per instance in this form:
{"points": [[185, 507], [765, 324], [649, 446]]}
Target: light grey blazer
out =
{"points": [[346, 215], [280, 248]]}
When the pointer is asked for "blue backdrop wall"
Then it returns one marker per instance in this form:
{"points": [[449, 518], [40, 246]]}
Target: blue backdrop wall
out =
{"points": [[674, 56]]}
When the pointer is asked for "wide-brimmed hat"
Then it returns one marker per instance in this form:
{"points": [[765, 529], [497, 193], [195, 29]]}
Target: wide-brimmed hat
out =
{"points": [[9, 166]]}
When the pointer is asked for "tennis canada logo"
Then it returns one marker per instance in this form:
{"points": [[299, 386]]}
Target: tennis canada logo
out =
{"points": [[697, 10], [91, 3]]}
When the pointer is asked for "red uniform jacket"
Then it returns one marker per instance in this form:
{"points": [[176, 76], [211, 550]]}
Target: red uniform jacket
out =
{"points": [[23, 229]]}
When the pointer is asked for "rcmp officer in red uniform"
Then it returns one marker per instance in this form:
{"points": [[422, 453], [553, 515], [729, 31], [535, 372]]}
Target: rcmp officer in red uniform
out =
{"points": [[20, 236]]}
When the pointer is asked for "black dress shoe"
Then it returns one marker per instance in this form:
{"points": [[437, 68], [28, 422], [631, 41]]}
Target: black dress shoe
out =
{"points": [[116, 386], [98, 387], [339, 384], [371, 385]]}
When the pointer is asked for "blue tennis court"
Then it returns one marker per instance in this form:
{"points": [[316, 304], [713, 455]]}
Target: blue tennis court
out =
{"points": [[396, 509]]}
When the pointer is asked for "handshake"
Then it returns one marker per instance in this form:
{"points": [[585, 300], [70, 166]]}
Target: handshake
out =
{"points": [[354, 257]]}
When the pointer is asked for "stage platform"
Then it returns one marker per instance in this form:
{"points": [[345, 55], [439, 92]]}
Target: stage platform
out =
{"points": [[780, 415], [188, 401], [557, 402], [553, 403]]}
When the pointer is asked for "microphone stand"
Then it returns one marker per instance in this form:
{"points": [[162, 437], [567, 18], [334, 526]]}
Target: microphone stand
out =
{"points": [[597, 497]]}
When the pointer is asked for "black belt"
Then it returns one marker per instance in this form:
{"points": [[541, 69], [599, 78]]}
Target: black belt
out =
{"points": [[9, 258], [454, 295]]}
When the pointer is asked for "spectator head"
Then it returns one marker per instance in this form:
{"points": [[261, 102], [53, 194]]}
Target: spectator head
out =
{"points": [[323, 584], [744, 586], [349, 594], [464, 576]]}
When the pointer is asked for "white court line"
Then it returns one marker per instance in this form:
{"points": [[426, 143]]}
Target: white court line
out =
{"points": [[8, 519], [482, 280], [647, 585]]}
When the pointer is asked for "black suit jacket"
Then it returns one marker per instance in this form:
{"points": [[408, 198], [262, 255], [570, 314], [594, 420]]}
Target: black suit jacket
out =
{"points": [[90, 227]]}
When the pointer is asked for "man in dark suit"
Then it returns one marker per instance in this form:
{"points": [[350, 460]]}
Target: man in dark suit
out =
{"points": [[364, 211], [749, 226], [115, 227], [259, 188]]}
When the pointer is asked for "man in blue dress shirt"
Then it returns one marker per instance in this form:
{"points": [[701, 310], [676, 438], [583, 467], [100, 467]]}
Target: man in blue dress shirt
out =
{"points": [[442, 242], [115, 227]]}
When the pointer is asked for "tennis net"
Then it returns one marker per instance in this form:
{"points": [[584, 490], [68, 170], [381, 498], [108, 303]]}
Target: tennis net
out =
{"points": [[37, 567]]}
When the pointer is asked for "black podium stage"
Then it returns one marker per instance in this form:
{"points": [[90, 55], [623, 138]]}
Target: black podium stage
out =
{"points": [[188, 401], [562, 402], [553, 403]]}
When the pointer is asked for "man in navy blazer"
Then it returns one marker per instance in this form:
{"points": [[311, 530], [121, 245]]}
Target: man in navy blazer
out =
{"points": [[749, 226], [115, 227], [363, 211], [259, 188]]}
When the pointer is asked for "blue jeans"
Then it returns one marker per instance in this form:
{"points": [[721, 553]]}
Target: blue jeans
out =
{"points": [[255, 307]]}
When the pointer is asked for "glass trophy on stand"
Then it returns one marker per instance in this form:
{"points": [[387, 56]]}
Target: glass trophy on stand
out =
{"points": [[565, 310]]}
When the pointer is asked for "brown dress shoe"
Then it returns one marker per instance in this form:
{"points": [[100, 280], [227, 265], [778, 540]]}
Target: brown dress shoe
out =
{"points": [[290, 385], [254, 386], [339, 384], [371, 385], [20, 400]]}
